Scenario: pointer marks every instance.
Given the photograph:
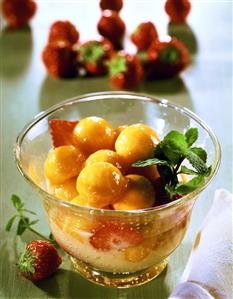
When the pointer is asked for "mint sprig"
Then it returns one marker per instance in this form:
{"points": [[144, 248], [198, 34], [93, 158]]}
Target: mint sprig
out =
{"points": [[24, 222], [169, 155]]}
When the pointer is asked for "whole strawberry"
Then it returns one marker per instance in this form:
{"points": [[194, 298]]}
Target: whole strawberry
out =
{"points": [[178, 10], [125, 70], [93, 56], [63, 31], [39, 261], [18, 12], [166, 59], [60, 60], [111, 4], [112, 27], [144, 35]]}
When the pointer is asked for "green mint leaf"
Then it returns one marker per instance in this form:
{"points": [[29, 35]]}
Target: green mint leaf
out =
{"points": [[190, 186], [197, 162], [158, 153], [167, 174], [200, 152], [191, 136], [174, 146], [188, 171], [171, 190], [148, 162], [22, 225], [10, 223], [18, 204]]}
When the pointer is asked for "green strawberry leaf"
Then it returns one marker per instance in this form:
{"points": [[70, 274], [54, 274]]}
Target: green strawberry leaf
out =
{"points": [[18, 204], [191, 136], [10, 223], [117, 65], [26, 260], [22, 225], [170, 55], [92, 52]]}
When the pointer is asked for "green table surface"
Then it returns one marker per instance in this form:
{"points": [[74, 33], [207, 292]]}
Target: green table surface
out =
{"points": [[26, 89]]}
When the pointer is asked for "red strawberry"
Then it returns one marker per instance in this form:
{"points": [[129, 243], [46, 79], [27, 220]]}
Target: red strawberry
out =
{"points": [[62, 132], [93, 55], [60, 60], [112, 236], [166, 59], [39, 261], [63, 31], [178, 10], [125, 70], [112, 27], [18, 12], [144, 35], [111, 4]]}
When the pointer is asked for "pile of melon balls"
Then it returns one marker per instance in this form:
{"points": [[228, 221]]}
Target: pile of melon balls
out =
{"points": [[95, 169]]}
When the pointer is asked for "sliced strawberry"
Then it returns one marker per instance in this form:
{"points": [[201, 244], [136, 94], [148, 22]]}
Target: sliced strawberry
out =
{"points": [[112, 236], [62, 132]]}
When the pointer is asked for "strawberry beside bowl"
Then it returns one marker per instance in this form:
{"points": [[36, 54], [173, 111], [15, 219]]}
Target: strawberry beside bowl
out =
{"points": [[111, 247]]}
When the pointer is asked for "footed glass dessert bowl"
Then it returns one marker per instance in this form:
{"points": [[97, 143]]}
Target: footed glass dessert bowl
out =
{"points": [[116, 248]]}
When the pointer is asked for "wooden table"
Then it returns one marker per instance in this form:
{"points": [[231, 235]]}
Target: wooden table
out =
{"points": [[205, 87]]}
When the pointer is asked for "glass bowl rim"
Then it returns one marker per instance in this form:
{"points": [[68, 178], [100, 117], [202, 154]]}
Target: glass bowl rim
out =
{"points": [[126, 96]]}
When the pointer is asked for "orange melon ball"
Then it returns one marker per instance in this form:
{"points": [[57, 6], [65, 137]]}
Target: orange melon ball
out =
{"points": [[139, 194], [93, 133], [149, 131], [100, 184], [149, 172], [118, 130], [134, 144], [63, 163], [105, 156], [65, 191]]}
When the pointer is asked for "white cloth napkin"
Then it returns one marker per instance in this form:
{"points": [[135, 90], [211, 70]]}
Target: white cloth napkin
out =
{"points": [[209, 271]]}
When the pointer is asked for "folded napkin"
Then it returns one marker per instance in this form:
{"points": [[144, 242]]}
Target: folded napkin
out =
{"points": [[209, 271]]}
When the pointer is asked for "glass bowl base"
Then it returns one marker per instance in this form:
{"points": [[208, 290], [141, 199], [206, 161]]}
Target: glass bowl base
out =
{"points": [[118, 280]]}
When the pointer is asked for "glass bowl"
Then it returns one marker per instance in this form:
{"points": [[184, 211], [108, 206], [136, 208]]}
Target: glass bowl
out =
{"points": [[151, 234]]}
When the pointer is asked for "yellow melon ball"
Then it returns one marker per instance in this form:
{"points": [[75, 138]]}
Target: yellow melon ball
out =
{"points": [[136, 254], [105, 156], [100, 184], [63, 163], [134, 144], [139, 194], [149, 131], [65, 191], [93, 133]]}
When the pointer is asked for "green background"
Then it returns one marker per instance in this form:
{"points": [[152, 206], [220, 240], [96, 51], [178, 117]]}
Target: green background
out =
{"points": [[205, 87]]}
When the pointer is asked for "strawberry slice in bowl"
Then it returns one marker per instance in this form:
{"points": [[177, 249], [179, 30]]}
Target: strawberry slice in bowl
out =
{"points": [[112, 236]]}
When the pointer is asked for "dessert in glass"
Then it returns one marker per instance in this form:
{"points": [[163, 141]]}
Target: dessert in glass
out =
{"points": [[104, 212]]}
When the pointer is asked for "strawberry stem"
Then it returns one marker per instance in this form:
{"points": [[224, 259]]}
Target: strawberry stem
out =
{"points": [[92, 52], [38, 234]]}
